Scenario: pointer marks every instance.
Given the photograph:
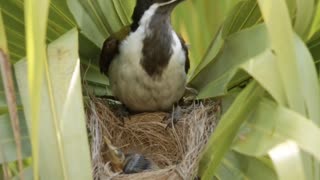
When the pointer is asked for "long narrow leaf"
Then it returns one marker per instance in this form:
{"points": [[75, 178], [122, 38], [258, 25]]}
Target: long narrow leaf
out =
{"points": [[63, 134], [7, 142], [263, 69], [231, 168], [227, 128], [238, 166], [36, 26], [214, 79], [98, 19], [272, 124], [3, 38], [308, 75], [276, 16], [287, 161], [316, 21], [244, 15], [305, 10]]}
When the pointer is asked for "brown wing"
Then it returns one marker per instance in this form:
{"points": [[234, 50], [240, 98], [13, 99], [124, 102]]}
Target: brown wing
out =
{"points": [[186, 52], [109, 50]]}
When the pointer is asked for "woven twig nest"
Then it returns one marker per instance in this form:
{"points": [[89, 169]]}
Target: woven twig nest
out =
{"points": [[175, 150]]}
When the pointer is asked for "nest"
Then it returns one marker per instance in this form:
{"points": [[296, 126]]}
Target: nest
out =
{"points": [[175, 149]]}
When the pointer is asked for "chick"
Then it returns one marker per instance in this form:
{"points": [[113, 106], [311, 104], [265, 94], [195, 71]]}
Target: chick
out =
{"points": [[127, 163]]}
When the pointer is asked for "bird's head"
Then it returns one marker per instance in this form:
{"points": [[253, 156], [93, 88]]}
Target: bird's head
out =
{"points": [[117, 159], [163, 2], [115, 156], [143, 5], [160, 2]]}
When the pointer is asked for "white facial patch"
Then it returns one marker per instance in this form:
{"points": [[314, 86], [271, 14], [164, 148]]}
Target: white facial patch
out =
{"points": [[147, 16]]}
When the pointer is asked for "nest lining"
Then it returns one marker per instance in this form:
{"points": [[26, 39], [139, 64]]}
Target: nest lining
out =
{"points": [[174, 150]]}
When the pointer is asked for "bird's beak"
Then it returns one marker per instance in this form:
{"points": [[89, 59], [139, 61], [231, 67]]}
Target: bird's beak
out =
{"points": [[115, 156]]}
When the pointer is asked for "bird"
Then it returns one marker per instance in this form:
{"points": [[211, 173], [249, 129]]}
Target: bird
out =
{"points": [[127, 163], [116, 157], [147, 68]]}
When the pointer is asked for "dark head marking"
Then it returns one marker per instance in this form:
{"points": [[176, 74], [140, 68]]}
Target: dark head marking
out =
{"points": [[143, 5], [157, 48]]}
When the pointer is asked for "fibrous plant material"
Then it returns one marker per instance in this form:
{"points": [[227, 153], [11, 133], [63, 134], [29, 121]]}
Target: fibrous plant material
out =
{"points": [[174, 149]]}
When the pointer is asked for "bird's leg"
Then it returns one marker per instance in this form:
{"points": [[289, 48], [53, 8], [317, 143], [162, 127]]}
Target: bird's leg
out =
{"points": [[173, 117], [190, 94]]}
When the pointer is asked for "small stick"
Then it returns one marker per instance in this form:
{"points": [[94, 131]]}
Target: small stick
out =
{"points": [[8, 85]]}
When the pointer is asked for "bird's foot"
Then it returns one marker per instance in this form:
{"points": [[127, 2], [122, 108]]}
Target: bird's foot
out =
{"points": [[173, 117], [190, 94]]}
